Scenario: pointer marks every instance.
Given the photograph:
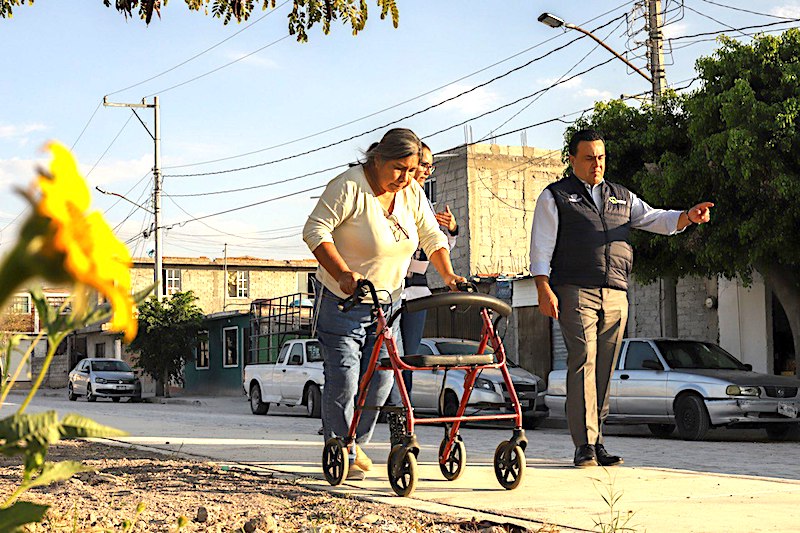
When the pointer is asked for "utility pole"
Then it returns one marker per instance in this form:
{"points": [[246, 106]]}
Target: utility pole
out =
{"points": [[156, 136], [655, 46], [655, 53]]}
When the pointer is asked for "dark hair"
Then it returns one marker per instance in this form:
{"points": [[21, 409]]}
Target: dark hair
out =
{"points": [[397, 143], [425, 147], [583, 135]]}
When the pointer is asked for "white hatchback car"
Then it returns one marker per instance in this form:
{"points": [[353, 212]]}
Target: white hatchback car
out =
{"points": [[103, 378]]}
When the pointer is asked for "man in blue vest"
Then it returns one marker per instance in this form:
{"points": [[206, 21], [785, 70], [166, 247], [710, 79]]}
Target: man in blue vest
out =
{"points": [[581, 261]]}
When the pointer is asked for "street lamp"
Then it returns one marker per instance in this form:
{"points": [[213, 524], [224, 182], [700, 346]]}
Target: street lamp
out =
{"points": [[548, 19]]}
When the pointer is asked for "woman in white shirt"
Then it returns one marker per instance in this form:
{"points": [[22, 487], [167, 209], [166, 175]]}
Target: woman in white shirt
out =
{"points": [[367, 224]]}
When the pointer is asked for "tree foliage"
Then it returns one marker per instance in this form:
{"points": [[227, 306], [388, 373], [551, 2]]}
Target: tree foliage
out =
{"points": [[303, 16], [168, 332]]}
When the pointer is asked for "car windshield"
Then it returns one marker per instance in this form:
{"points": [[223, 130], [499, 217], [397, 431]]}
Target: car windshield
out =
{"points": [[313, 352], [460, 348], [110, 366], [699, 355]]}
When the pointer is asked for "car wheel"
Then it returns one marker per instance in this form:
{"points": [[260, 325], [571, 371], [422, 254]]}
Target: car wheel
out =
{"points": [[256, 405], [313, 402], [691, 417], [661, 430], [450, 404], [89, 396], [783, 431], [71, 393], [116, 399]]}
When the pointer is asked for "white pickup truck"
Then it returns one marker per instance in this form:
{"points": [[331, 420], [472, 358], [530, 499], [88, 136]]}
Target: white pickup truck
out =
{"points": [[296, 378]]}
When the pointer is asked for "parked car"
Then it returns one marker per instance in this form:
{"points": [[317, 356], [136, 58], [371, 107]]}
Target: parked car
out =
{"points": [[296, 378], [693, 385], [103, 378], [432, 393]]}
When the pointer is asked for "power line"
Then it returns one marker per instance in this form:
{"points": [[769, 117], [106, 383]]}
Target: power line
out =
{"points": [[109, 146], [394, 106], [201, 53], [85, 126], [162, 91], [709, 17], [257, 186], [734, 29], [746, 10]]}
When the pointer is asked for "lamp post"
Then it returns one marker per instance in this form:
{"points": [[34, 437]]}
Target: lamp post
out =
{"points": [[553, 21]]}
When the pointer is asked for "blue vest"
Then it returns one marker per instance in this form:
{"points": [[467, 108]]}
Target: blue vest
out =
{"points": [[592, 248]]}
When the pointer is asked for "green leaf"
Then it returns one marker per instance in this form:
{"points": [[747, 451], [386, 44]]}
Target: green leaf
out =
{"points": [[21, 513], [53, 472], [22, 433], [75, 426]]}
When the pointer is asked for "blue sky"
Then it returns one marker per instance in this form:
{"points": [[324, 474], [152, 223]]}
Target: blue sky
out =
{"points": [[261, 93]]}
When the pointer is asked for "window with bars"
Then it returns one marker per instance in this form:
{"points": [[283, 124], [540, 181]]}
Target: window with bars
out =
{"points": [[57, 303], [172, 280], [100, 349], [21, 304], [201, 361], [239, 284], [230, 353]]}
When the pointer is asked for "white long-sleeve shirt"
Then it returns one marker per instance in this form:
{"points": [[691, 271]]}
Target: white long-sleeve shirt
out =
{"points": [[349, 215], [545, 224]]}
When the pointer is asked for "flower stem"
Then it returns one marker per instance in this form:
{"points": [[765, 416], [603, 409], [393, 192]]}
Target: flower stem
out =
{"points": [[51, 351]]}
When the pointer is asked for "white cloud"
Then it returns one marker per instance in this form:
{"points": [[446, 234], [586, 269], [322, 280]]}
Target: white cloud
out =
{"points": [[17, 172], [595, 94], [788, 10], [477, 101], [676, 29], [15, 131], [113, 171], [253, 60]]}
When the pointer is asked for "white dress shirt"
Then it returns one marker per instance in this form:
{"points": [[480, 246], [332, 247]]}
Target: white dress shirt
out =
{"points": [[545, 224]]}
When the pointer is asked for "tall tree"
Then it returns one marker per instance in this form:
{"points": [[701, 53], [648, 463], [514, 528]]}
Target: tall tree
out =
{"points": [[303, 16], [168, 332], [734, 141]]}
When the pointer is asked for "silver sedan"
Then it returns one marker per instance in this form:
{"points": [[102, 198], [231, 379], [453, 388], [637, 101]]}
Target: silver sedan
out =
{"points": [[103, 378], [693, 385], [440, 392]]}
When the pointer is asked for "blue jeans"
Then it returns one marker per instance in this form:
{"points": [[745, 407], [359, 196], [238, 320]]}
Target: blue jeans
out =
{"points": [[347, 340], [411, 327]]}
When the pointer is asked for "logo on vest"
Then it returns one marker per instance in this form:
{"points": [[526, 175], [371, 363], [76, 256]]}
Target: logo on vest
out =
{"points": [[615, 201], [574, 198]]}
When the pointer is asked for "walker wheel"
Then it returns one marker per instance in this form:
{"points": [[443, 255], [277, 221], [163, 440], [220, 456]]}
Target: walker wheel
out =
{"points": [[402, 469], [335, 461], [509, 465], [453, 465]]}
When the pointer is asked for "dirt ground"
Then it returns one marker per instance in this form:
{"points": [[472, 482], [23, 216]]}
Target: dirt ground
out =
{"points": [[136, 490]]}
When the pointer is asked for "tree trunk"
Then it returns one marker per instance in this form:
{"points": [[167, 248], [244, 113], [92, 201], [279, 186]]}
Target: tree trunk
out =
{"points": [[165, 380], [785, 285], [669, 309]]}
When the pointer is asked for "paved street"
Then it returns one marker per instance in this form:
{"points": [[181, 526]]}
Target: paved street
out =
{"points": [[738, 481]]}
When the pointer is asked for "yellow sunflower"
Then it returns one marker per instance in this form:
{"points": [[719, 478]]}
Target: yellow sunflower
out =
{"points": [[89, 251]]}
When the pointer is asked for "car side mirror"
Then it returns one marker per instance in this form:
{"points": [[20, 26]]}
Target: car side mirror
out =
{"points": [[748, 366], [84, 370], [651, 364]]}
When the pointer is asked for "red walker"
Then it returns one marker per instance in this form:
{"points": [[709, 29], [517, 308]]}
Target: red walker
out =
{"points": [[509, 458]]}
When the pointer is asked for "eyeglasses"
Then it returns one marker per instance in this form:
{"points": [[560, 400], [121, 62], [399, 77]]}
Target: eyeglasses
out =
{"points": [[429, 167], [397, 230]]}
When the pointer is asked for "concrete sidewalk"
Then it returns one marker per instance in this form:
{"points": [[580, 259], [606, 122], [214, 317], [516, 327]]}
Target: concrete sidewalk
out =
{"points": [[557, 494], [732, 484]]}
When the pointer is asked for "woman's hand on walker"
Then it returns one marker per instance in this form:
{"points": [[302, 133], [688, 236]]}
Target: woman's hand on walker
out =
{"points": [[348, 280], [452, 281]]}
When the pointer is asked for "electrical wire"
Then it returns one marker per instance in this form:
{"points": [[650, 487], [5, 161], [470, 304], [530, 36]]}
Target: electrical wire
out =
{"points": [[462, 78], [201, 53], [703, 34], [109, 145], [85, 126], [709, 17], [746, 10], [181, 84], [269, 184]]}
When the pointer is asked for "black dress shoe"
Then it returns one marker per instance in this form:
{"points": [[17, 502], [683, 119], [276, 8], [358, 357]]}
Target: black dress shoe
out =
{"points": [[605, 458], [585, 456]]}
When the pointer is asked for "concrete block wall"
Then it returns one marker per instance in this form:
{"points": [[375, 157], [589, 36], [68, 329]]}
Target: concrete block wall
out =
{"points": [[492, 191], [695, 320]]}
